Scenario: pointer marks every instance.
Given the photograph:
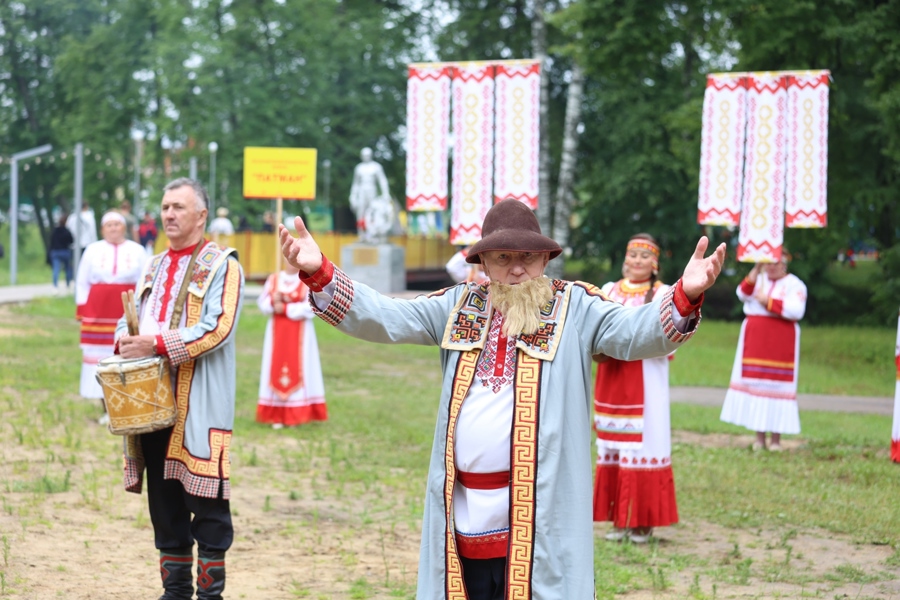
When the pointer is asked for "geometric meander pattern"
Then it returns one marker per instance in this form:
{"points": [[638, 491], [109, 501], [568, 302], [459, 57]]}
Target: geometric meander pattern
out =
{"points": [[465, 373]]}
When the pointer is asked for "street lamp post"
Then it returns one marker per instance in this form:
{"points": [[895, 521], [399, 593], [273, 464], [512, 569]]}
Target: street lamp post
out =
{"points": [[14, 205], [138, 137], [326, 183], [213, 148]]}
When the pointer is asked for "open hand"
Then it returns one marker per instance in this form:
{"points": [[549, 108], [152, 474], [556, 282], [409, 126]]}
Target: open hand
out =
{"points": [[301, 252], [701, 272]]}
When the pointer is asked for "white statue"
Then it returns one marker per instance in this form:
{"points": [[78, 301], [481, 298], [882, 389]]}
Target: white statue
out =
{"points": [[371, 200]]}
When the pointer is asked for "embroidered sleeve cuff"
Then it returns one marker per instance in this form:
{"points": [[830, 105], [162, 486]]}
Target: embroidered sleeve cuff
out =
{"points": [[747, 287], [341, 300], [775, 306], [318, 280], [173, 347], [160, 347], [667, 320], [684, 306]]}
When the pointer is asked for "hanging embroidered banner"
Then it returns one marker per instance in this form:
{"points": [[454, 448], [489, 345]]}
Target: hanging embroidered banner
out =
{"points": [[807, 159], [473, 146], [762, 215], [517, 108], [427, 131], [722, 149]]}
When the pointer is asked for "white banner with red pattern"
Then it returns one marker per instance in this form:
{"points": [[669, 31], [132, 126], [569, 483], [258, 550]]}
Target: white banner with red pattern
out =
{"points": [[776, 155], [765, 163], [428, 131], [722, 149], [517, 109], [807, 149], [473, 150]]}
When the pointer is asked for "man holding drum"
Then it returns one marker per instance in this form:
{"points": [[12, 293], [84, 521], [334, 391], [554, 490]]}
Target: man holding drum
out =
{"points": [[188, 303]]}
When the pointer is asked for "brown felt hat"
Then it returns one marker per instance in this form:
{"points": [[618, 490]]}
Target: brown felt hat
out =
{"points": [[510, 225]]}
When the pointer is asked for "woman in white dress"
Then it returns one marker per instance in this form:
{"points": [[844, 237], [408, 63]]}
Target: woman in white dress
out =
{"points": [[108, 267], [291, 389], [762, 395], [634, 486], [895, 433]]}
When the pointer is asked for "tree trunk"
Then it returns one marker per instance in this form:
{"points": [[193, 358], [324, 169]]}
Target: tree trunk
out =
{"points": [[539, 47], [567, 162]]}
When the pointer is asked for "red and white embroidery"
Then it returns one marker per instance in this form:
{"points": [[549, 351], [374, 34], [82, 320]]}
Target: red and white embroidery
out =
{"points": [[497, 366]]}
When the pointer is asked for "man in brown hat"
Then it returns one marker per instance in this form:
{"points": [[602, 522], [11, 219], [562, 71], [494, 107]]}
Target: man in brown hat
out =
{"points": [[508, 503]]}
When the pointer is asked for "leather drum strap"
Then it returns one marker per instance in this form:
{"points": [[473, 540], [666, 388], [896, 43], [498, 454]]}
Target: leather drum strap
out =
{"points": [[182, 293]]}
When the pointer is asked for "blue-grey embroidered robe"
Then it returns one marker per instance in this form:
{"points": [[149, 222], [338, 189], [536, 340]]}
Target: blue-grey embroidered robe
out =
{"points": [[201, 356], [551, 530]]}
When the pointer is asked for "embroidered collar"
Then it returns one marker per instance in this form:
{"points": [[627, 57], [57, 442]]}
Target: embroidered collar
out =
{"points": [[177, 254], [469, 322]]}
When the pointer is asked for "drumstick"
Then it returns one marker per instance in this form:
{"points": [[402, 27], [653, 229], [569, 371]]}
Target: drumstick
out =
{"points": [[130, 318], [127, 312], [135, 324]]}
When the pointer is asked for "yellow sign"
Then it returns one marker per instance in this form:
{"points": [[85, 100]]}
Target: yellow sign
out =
{"points": [[288, 173]]}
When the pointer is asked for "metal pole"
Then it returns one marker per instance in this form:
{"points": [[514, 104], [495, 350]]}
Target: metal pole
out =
{"points": [[138, 138], [14, 205], [79, 202], [137, 174], [326, 168], [213, 148], [13, 219], [193, 171]]}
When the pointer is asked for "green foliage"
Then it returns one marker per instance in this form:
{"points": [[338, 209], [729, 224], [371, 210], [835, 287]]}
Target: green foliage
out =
{"points": [[331, 75]]}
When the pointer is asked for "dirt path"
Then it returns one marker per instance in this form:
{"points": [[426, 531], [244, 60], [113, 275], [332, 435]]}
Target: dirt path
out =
{"points": [[94, 541]]}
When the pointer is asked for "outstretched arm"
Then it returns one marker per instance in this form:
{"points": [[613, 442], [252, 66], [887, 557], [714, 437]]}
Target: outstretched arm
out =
{"points": [[301, 252], [701, 272]]}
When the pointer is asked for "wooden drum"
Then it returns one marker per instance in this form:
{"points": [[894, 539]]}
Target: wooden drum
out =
{"points": [[138, 394]]}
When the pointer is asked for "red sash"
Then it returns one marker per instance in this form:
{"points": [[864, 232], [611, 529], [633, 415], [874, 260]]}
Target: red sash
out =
{"points": [[102, 311], [769, 345], [286, 372], [619, 397]]}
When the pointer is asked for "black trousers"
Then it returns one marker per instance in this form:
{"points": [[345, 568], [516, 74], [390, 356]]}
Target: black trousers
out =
{"points": [[171, 506], [485, 578]]}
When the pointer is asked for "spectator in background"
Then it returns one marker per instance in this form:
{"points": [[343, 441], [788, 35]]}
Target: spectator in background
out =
{"points": [[243, 223], [107, 268], [88, 225], [221, 225], [462, 272], [268, 225], [60, 252], [131, 222], [147, 233]]}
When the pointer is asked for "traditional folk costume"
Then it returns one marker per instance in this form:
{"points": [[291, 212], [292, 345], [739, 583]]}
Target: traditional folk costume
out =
{"points": [[895, 434], [634, 486], [105, 271], [188, 465], [509, 476], [762, 395], [291, 390]]}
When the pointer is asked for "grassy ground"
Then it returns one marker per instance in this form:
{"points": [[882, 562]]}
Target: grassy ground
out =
{"points": [[745, 516]]}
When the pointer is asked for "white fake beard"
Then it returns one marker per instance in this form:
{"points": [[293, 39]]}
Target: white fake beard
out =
{"points": [[521, 304]]}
